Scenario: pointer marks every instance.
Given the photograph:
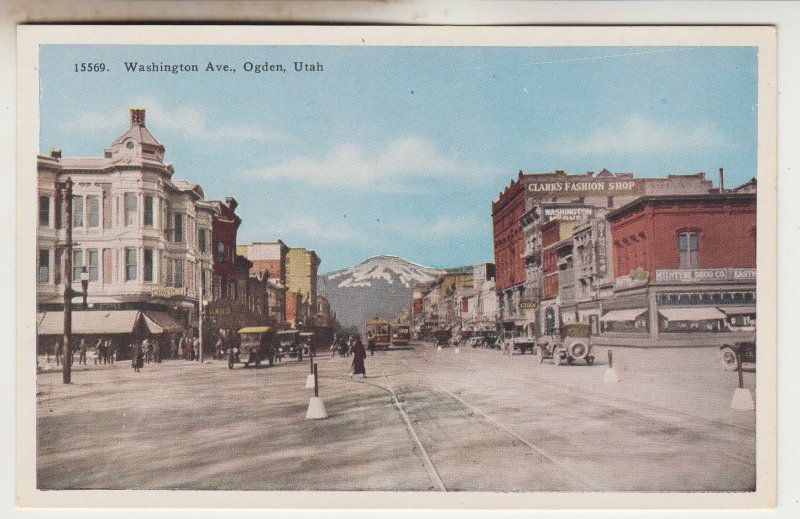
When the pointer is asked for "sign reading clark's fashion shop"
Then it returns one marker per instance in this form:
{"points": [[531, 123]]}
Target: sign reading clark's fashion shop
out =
{"points": [[705, 275], [584, 187]]}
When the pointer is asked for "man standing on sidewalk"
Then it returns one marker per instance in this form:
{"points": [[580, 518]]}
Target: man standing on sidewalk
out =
{"points": [[82, 352]]}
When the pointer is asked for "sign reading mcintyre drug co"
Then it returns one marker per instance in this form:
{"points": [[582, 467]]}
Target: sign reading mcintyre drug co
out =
{"points": [[558, 187], [705, 275]]}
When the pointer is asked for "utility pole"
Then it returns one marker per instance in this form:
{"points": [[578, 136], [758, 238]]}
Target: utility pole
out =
{"points": [[201, 306], [65, 189]]}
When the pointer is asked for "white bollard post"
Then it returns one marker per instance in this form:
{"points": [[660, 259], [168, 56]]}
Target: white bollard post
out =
{"points": [[438, 348], [316, 407], [742, 399], [310, 381], [610, 375]]}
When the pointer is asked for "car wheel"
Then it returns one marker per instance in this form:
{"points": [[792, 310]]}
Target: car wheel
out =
{"points": [[729, 360], [590, 360], [540, 358], [230, 363]]}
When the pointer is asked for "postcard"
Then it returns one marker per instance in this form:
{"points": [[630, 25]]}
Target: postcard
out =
{"points": [[396, 267]]}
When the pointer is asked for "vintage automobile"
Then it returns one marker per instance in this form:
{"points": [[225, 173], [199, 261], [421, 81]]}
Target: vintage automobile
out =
{"points": [[732, 354], [573, 343], [256, 344], [523, 344], [290, 344], [443, 337]]}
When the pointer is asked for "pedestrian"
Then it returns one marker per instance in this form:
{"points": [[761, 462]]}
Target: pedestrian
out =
{"points": [[218, 347], [197, 347], [137, 355], [82, 352], [190, 349], [359, 354], [111, 351], [156, 352], [57, 353], [98, 351], [173, 348], [335, 345], [47, 355], [181, 347], [371, 344], [148, 351]]}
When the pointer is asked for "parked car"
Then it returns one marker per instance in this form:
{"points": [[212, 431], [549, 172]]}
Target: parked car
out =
{"points": [[574, 342], [290, 344], [443, 337], [732, 354], [257, 343]]}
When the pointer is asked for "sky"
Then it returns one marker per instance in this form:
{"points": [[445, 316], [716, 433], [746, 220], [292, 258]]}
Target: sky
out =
{"points": [[401, 150]]}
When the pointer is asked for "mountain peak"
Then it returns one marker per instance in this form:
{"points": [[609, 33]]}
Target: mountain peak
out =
{"points": [[390, 269]]}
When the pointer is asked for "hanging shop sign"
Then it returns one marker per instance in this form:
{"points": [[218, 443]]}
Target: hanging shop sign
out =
{"points": [[528, 304], [167, 292]]}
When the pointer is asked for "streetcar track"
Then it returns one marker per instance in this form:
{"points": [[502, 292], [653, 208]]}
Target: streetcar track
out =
{"points": [[645, 404], [497, 425], [616, 405]]}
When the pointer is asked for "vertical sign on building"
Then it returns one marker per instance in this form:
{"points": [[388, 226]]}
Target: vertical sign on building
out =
{"points": [[602, 262]]}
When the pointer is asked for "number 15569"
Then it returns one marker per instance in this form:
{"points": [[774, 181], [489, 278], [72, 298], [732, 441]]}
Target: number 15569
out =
{"points": [[90, 67]]}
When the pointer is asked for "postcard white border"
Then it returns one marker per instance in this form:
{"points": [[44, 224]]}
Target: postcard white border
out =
{"points": [[29, 37]]}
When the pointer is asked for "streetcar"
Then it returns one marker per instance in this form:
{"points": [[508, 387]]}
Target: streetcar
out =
{"points": [[378, 331], [401, 334]]}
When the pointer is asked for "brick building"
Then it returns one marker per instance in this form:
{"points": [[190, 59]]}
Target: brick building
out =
{"points": [[268, 259], [536, 198], [224, 226], [683, 263]]}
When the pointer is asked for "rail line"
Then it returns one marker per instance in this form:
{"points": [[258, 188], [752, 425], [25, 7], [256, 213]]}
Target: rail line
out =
{"points": [[610, 403]]}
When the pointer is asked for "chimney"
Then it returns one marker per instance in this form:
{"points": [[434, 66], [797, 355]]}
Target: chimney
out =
{"points": [[55, 153], [137, 116], [560, 172], [721, 181], [231, 203]]}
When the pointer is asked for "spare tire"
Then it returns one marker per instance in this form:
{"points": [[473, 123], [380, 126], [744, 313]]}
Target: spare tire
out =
{"points": [[578, 350]]}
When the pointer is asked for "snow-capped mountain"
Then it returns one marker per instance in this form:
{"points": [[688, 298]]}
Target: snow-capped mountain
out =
{"points": [[378, 287], [388, 268]]}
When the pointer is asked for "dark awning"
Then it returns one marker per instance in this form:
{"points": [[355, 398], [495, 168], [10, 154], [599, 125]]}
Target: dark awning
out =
{"points": [[90, 322]]}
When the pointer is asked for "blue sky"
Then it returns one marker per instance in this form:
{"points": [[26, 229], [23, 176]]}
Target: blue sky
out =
{"points": [[401, 150]]}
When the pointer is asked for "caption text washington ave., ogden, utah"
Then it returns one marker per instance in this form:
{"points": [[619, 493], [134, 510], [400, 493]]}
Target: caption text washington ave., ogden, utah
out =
{"points": [[211, 66]]}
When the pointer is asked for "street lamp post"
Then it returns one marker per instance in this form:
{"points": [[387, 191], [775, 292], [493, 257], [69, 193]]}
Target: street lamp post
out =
{"points": [[69, 293]]}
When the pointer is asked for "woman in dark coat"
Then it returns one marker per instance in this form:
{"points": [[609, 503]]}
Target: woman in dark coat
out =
{"points": [[359, 354]]}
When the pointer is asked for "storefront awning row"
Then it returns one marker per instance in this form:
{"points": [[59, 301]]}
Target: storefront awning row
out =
{"points": [[90, 322], [623, 315], [108, 322], [738, 310], [691, 314]]}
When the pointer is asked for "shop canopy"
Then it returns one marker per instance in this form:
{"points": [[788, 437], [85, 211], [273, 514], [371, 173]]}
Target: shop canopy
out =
{"points": [[691, 314], [90, 322], [738, 310], [164, 321], [623, 315]]}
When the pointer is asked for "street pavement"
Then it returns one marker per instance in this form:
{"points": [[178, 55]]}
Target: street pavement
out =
{"points": [[422, 420]]}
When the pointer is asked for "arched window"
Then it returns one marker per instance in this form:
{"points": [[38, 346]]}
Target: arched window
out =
{"points": [[688, 245]]}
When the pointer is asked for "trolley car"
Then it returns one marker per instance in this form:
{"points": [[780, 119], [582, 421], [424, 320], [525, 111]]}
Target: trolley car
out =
{"points": [[401, 334], [379, 331]]}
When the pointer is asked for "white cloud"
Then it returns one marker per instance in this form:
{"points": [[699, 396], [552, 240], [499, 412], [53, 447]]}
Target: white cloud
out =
{"points": [[186, 120], [443, 227], [638, 134], [316, 230], [392, 169]]}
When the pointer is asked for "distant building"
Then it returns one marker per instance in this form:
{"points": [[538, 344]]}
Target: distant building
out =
{"points": [[269, 260], [302, 266]]}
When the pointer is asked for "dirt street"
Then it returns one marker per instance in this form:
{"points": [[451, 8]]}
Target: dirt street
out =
{"points": [[421, 420]]}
